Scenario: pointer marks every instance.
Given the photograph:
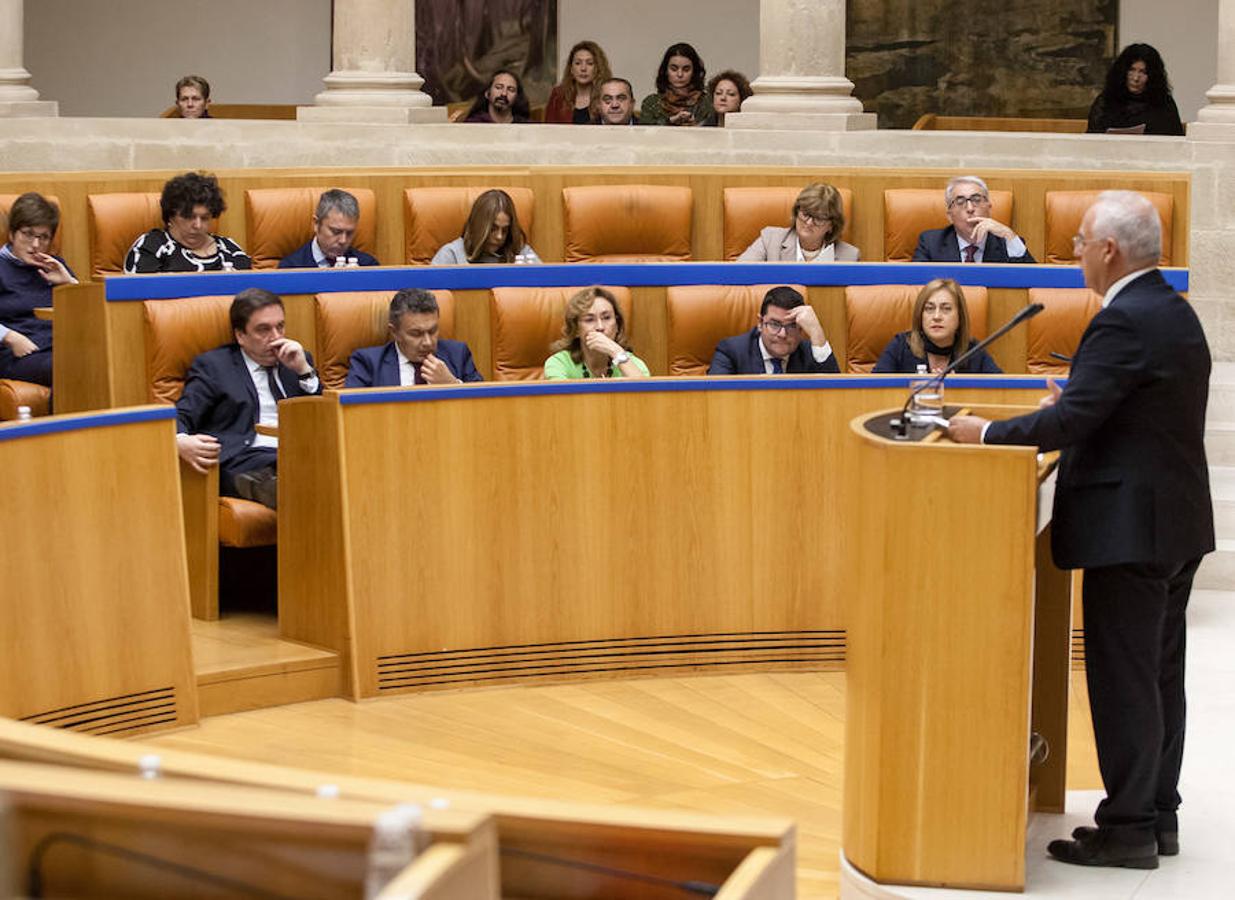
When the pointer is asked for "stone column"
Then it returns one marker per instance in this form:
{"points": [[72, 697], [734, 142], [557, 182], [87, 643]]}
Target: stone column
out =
{"points": [[17, 97], [374, 58], [1216, 120], [802, 83]]}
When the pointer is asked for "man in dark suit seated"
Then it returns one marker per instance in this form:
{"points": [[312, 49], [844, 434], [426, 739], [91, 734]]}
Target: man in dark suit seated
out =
{"points": [[415, 354], [1133, 509], [230, 389], [334, 226], [776, 345], [973, 235]]}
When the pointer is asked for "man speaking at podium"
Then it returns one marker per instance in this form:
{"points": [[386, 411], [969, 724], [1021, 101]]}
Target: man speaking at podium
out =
{"points": [[1132, 508]]}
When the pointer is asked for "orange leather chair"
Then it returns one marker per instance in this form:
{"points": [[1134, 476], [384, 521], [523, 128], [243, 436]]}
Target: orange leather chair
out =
{"points": [[435, 216], [1058, 328], [115, 222], [1065, 209], [703, 315], [349, 320], [176, 331], [749, 210], [876, 313], [626, 223], [907, 212], [280, 220], [14, 393], [525, 321]]}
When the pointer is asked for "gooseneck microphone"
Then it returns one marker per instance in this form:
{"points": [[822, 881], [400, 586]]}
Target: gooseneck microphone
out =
{"points": [[900, 426]]}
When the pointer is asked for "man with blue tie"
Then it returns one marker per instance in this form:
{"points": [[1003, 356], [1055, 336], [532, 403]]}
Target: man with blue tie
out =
{"points": [[415, 354], [787, 338], [973, 236], [230, 389], [334, 226]]}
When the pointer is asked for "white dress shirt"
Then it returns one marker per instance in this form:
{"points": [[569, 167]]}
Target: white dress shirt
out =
{"points": [[826, 254], [1016, 247], [268, 408], [407, 369], [819, 353]]}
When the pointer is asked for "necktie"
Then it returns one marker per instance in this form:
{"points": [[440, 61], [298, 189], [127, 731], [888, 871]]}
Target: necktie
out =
{"points": [[970, 251], [272, 381], [777, 368], [417, 378]]}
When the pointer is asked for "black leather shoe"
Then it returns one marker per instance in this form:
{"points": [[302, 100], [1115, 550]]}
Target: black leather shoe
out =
{"points": [[1097, 848], [1168, 841], [260, 485]]}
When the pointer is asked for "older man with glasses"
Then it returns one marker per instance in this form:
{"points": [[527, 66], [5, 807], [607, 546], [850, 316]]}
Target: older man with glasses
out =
{"points": [[973, 235]]}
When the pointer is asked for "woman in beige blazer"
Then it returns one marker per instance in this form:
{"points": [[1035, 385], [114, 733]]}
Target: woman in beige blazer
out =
{"points": [[813, 234]]}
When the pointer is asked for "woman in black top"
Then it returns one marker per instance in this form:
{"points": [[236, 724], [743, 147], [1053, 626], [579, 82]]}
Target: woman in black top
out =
{"points": [[184, 243], [1137, 96], [939, 335]]}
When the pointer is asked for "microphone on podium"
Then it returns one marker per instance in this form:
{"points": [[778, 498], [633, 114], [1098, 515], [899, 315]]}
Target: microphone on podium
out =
{"points": [[900, 426]]}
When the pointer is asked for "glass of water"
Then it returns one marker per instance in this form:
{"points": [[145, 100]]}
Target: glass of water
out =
{"points": [[928, 402]]}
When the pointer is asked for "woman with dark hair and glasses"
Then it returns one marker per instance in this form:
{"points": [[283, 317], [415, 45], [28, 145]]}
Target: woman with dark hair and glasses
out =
{"points": [[1137, 96], [940, 334], [28, 272], [680, 98], [185, 244]]}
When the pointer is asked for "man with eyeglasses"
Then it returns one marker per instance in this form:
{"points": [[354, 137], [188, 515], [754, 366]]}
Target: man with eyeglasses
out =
{"points": [[973, 235], [787, 339], [1133, 509]]}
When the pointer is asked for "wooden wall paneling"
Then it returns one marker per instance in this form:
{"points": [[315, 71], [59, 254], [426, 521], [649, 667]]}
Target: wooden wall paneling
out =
{"points": [[829, 306], [648, 333], [200, 499], [684, 482], [1011, 350], [102, 643], [81, 369], [472, 326], [315, 550], [1052, 668], [938, 676]]}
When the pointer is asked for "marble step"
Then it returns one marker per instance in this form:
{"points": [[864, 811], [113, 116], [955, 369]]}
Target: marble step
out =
{"points": [[1221, 410], [1222, 490], [1220, 443], [1217, 571]]}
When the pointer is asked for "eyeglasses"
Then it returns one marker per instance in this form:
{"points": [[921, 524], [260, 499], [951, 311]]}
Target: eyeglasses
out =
{"points": [[780, 327], [973, 199], [807, 219], [34, 237], [1079, 241]]}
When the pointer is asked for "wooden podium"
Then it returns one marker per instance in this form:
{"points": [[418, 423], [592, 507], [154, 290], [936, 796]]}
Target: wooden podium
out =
{"points": [[958, 655]]}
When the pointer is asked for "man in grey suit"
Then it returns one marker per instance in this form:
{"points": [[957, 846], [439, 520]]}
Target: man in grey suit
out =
{"points": [[1133, 509]]}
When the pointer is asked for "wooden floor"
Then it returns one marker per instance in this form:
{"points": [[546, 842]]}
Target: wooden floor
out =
{"points": [[769, 743]]}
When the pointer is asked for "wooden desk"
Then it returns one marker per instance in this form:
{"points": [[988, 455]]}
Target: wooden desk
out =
{"points": [[482, 534], [957, 652], [94, 620]]}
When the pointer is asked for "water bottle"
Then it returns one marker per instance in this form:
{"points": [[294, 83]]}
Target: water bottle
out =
{"points": [[23, 414], [228, 265], [392, 848], [340, 262], [928, 401], [353, 262]]}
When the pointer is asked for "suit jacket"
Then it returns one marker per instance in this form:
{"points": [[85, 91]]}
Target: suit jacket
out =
{"points": [[740, 355], [1133, 485], [777, 245], [898, 357], [379, 366], [940, 245], [302, 258], [220, 399]]}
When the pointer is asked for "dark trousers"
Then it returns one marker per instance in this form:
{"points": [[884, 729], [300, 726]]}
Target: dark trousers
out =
{"points": [[1134, 665], [33, 367], [246, 460]]}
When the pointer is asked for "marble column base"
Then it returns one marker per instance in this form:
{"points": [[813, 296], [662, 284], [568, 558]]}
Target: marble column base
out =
{"points": [[373, 115], [801, 121], [12, 109]]}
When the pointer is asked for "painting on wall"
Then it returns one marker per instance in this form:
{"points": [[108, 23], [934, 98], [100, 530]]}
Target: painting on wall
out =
{"points": [[1026, 58], [460, 43]]}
